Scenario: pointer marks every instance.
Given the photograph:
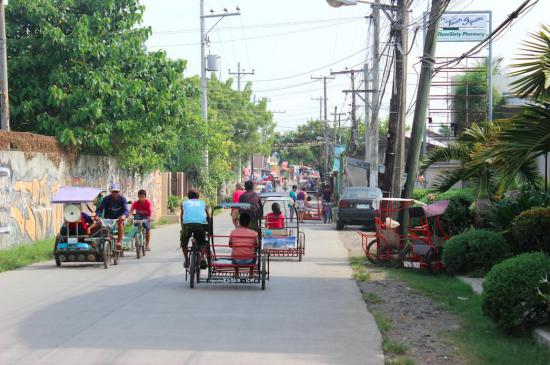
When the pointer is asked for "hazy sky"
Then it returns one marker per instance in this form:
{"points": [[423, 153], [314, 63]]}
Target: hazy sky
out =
{"points": [[288, 41]]}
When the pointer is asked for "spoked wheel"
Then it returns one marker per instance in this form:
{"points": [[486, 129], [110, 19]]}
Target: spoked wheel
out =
{"points": [[106, 253], [373, 245], [57, 261], [192, 268], [263, 272], [137, 246], [142, 241], [116, 255]]}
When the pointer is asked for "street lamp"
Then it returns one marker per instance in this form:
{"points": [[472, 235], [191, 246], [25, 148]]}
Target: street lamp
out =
{"points": [[338, 3]]}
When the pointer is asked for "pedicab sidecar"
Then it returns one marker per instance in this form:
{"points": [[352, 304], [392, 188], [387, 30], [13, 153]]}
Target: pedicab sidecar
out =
{"points": [[75, 243]]}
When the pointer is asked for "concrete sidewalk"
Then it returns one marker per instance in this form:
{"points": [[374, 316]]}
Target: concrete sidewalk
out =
{"points": [[143, 312]]}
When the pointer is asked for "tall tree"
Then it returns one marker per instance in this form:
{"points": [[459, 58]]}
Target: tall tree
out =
{"points": [[79, 71]]}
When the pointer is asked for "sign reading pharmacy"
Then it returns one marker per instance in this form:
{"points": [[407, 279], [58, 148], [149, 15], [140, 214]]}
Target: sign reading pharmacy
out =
{"points": [[464, 26]]}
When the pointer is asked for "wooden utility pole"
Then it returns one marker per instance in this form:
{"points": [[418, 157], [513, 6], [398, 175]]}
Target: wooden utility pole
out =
{"points": [[424, 83], [375, 105], [4, 97], [240, 74], [395, 151], [325, 121], [354, 92]]}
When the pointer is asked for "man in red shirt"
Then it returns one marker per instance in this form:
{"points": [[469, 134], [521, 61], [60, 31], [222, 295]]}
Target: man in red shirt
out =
{"points": [[142, 209], [243, 242]]}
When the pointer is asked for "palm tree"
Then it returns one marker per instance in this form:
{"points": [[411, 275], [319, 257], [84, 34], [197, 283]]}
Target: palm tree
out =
{"points": [[533, 70], [527, 136], [466, 150]]}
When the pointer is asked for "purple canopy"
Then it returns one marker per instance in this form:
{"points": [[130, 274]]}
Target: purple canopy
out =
{"points": [[435, 209], [75, 194]]}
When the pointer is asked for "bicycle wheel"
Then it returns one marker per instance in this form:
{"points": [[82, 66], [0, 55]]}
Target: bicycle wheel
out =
{"points": [[192, 269], [263, 272], [115, 255], [106, 253], [137, 245], [142, 240]]}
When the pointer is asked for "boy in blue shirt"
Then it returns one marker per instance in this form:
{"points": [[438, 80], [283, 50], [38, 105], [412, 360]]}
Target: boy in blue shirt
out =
{"points": [[194, 223]]}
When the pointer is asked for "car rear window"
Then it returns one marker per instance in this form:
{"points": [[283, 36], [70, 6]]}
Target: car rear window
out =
{"points": [[362, 193]]}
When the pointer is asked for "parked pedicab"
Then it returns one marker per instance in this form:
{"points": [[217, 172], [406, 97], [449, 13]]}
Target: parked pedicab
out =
{"points": [[420, 248], [73, 243], [285, 241], [220, 265]]}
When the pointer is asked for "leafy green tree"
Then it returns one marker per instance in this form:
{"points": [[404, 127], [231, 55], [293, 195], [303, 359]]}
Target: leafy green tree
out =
{"points": [[469, 103], [304, 146], [79, 71]]}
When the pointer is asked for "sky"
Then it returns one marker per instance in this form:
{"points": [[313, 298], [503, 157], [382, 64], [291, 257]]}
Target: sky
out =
{"points": [[286, 42]]}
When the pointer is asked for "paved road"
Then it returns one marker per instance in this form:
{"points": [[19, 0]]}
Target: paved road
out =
{"points": [[143, 312]]}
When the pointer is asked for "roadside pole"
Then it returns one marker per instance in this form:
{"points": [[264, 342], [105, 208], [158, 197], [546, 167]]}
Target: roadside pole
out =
{"points": [[374, 131], [419, 121], [4, 97]]}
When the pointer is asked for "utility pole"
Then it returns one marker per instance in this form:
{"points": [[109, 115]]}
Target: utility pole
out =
{"points": [[4, 97], [325, 121], [240, 74], [204, 42], [395, 152], [374, 130], [367, 122], [337, 124], [320, 100], [354, 92], [424, 83]]}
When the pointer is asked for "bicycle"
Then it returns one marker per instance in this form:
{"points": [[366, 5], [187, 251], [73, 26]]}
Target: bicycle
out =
{"points": [[138, 237]]}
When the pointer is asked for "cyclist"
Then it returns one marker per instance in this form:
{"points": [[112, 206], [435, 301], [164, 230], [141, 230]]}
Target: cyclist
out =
{"points": [[194, 223], [114, 206], [142, 209]]}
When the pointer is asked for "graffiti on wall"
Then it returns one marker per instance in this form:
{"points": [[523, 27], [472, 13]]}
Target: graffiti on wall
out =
{"points": [[5, 175], [32, 212]]}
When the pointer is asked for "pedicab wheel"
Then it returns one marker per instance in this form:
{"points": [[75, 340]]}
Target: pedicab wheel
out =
{"points": [[57, 261], [106, 253], [137, 246], [339, 225], [403, 255], [192, 269], [142, 240], [115, 255], [263, 272], [370, 255]]}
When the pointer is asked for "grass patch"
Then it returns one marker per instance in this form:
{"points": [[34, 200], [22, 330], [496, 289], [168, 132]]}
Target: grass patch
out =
{"points": [[399, 361], [22, 255], [394, 347], [359, 270], [479, 338], [384, 323], [372, 298]]}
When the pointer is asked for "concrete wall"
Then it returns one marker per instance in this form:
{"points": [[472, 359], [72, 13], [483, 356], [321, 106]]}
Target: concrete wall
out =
{"points": [[29, 181]]}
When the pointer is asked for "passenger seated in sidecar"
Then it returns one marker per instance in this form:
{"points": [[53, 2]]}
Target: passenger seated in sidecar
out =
{"points": [[80, 228]]}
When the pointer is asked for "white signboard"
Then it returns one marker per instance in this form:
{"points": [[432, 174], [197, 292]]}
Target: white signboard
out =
{"points": [[463, 27], [357, 163]]}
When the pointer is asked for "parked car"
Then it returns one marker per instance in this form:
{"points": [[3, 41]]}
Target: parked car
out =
{"points": [[356, 207]]}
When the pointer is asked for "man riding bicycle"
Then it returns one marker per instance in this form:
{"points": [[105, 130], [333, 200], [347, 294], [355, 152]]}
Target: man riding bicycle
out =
{"points": [[114, 206], [194, 223]]}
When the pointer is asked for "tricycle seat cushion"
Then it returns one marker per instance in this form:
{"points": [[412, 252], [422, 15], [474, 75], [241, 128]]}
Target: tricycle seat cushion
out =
{"points": [[229, 263]]}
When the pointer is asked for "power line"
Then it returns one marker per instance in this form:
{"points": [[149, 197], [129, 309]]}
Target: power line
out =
{"points": [[254, 37]]}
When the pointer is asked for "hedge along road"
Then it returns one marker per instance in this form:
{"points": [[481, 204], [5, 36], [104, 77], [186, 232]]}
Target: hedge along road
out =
{"points": [[143, 312]]}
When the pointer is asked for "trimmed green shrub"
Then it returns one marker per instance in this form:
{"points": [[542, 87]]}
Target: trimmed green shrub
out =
{"points": [[457, 218], [504, 211], [420, 194], [474, 251], [510, 292], [531, 231]]}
